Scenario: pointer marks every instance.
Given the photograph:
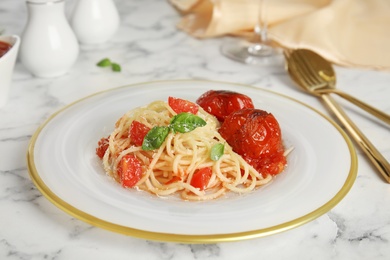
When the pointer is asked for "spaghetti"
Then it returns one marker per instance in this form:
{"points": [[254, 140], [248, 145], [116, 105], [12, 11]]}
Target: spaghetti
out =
{"points": [[174, 167]]}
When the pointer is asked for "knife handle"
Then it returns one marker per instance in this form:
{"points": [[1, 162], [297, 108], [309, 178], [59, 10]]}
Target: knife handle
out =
{"points": [[368, 148]]}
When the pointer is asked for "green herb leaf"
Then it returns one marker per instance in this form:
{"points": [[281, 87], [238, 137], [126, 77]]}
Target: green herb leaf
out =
{"points": [[186, 122], [155, 138], [116, 67], [217, 151], [104, 63]]}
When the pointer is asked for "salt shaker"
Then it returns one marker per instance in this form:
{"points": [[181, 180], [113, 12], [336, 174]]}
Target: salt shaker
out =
{"points": [[95, 21], [49, 46]]}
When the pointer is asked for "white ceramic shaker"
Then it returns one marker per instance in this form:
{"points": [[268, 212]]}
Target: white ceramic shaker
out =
{"points": [[95, 21], [49, 47]]}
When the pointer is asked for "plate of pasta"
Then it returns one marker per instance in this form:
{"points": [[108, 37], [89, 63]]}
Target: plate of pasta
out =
{"points": [[160, 161]]}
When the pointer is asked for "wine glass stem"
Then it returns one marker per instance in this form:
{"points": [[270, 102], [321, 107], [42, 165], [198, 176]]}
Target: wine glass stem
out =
{"points": [[261, 25]]}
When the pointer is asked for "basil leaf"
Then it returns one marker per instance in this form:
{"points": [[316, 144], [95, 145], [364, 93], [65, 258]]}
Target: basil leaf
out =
{"points": [[186, 122], [155, 138], [104, 63], [116, 67], [217, 151]]}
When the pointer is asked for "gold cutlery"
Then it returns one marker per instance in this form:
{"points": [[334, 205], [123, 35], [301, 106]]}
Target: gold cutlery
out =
{"points": [[304, 66], [323, 81]]}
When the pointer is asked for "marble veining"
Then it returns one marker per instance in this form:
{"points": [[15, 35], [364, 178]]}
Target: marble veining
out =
{"points": [[149, 47]]}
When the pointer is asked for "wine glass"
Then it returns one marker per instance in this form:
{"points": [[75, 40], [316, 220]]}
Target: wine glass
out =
{"points": [[258, 52]]}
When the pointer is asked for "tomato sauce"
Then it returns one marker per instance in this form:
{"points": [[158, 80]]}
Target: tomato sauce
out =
{"points": [[4, 48]]}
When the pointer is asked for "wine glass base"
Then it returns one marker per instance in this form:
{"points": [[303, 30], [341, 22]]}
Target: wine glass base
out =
{"points": [[253, 54]]}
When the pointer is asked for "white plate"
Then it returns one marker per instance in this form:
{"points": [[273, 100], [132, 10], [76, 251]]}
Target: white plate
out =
{"points": [[64, 167]]}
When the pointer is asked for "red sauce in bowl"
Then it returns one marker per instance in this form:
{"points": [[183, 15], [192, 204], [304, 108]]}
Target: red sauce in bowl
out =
{"points": [[4, 47]]}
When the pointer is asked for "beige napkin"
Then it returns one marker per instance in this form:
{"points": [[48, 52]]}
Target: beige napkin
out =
{"points": [[353, 33]]}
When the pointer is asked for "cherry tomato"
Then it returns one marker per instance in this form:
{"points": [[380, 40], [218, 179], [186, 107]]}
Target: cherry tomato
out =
{"points": [[222, 103], [173, 180], [129, 170], [137, 132], [102, 147], [256, 136], [181, 105], [201, 177]]}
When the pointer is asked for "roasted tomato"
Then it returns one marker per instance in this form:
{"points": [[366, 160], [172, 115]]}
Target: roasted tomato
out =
{"points": [[222, 103], [102, 147], [137, 132], [181, 105], [129, 170], [201, 178], [256, 136]]}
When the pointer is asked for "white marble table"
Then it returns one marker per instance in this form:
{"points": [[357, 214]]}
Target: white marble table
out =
{"points": [[149, 47]]}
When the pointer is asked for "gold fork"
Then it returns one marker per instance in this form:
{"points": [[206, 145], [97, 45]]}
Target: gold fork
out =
{"points": [[300, 70], [323, 81]]}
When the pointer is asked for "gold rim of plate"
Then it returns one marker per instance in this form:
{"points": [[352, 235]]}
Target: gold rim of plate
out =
{"points": [[184, 238]]}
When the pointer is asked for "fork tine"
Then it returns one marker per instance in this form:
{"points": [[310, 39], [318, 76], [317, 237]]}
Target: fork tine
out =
{"points": [[302, 70], [317, 81], [307, 71], [310, 65]]}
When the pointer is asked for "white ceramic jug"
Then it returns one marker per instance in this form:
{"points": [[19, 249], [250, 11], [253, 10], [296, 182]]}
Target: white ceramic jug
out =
{"points": [[49, 47], [95, 21]]}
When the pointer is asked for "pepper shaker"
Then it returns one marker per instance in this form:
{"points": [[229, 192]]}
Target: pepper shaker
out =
{"points": [[95, 21]]}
